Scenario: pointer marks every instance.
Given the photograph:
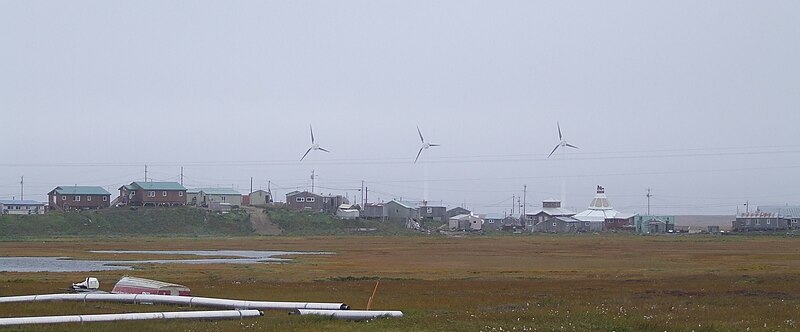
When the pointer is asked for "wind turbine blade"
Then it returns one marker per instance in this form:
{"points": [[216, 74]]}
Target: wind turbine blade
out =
{"points": [[420, 135], [434, 145], [559, 130], [418, 153], [572, 146], [554, 150], [324, 150], [305, 154], [312, 134]]}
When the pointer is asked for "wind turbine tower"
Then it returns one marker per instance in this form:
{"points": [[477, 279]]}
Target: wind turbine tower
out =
{"points": [[562, 144]]}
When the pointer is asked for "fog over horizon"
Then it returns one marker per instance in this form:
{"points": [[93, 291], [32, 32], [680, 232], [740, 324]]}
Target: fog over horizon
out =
{"points": [[698, 101]]}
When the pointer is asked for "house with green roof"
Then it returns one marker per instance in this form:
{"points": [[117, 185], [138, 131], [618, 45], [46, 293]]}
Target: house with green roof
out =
{"points": [[79, 198], [152, 194]]}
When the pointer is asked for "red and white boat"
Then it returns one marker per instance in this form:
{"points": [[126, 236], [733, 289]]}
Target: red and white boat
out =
{"points": [[134, 285]]}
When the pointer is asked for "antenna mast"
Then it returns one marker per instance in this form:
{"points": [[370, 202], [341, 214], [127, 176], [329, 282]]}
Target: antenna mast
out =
{"points": [[648, 201]]}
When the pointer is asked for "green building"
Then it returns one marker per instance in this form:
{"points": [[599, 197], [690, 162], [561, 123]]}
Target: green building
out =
{"points": [[654, 224]]}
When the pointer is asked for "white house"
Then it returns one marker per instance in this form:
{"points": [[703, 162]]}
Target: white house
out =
{"points": [[21, 207]]}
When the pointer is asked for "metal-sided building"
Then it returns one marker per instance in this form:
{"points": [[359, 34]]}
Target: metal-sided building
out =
{"points": [[550, 208], [760, 221], [562, 224], [654, 224], [152, 194], [205, 196], [260, 198], [401, 211], [25, 206]]}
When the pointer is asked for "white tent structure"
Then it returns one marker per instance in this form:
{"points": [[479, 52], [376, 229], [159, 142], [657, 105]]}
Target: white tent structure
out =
{"points": [[600, 212]]}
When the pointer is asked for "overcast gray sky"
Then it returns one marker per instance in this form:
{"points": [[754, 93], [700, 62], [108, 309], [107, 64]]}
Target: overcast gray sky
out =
{"points": [[697, 100]]}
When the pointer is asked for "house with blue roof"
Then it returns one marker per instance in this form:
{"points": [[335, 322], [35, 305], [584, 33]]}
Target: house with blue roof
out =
{"points": [[79, 198]]}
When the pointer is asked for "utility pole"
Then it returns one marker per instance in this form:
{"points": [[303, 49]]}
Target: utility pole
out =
{"points": [[747, 206], [362, 194], [145, 173], [648, 201], [269, 188], [524, 198], [512, 204], [251, 184], [366, 196], [181, 175], [22, 188]]}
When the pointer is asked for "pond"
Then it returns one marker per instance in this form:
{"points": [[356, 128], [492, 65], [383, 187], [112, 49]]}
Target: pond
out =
{"points": [[66, 264]]}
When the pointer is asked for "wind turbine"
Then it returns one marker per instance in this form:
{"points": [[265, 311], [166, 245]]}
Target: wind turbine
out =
{"points": [[424, 146], [562, 142], [314, 145]]}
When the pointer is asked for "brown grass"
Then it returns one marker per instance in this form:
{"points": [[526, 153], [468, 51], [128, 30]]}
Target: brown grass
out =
{"points": [[575, 283]]}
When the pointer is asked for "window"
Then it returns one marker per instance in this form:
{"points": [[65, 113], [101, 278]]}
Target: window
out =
{"points": [[758, 222], [223, 198], [76, 198], [430, 210], [491, 221], [310, 199], [300, 199], [88, 198], [64, 198], [768, 221], [164, 193], [554, 224], [105, 198], [151, 194], [133, 193], [180, 193]]}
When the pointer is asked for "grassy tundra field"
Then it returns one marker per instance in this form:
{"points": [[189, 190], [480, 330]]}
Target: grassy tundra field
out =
{"points": [[478, 283]]}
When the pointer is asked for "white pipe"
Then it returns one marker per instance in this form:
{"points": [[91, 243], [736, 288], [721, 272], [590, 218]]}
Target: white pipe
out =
{"points": [[180, 300], [218, 314], [350, 314]]}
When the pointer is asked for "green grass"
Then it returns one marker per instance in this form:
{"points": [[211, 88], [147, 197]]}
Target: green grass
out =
{"points": [[124, 221]]}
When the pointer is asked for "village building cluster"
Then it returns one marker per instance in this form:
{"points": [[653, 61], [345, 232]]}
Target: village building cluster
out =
{"points": [[550, 218]]}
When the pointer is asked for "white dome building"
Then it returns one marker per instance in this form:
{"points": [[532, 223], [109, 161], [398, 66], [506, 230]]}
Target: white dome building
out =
{"points": [[602, 216]]}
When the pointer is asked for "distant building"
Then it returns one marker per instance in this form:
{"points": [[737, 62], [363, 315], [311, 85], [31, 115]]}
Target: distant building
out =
{"points": [[205, 196], [401, 211], [789, 212], [79, 197], [304, 200], [152, 194], [456, 211], [434, 212], [550, 208], [602, 217], [260, 198], [762, 221], [9, 206], [562, 224], [654, 224], [348, 211], [493, 221], [374, 211], [465, 222]]}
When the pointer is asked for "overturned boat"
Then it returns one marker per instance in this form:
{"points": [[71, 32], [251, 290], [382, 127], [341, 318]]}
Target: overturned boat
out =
{"points": [[134, 285]]}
